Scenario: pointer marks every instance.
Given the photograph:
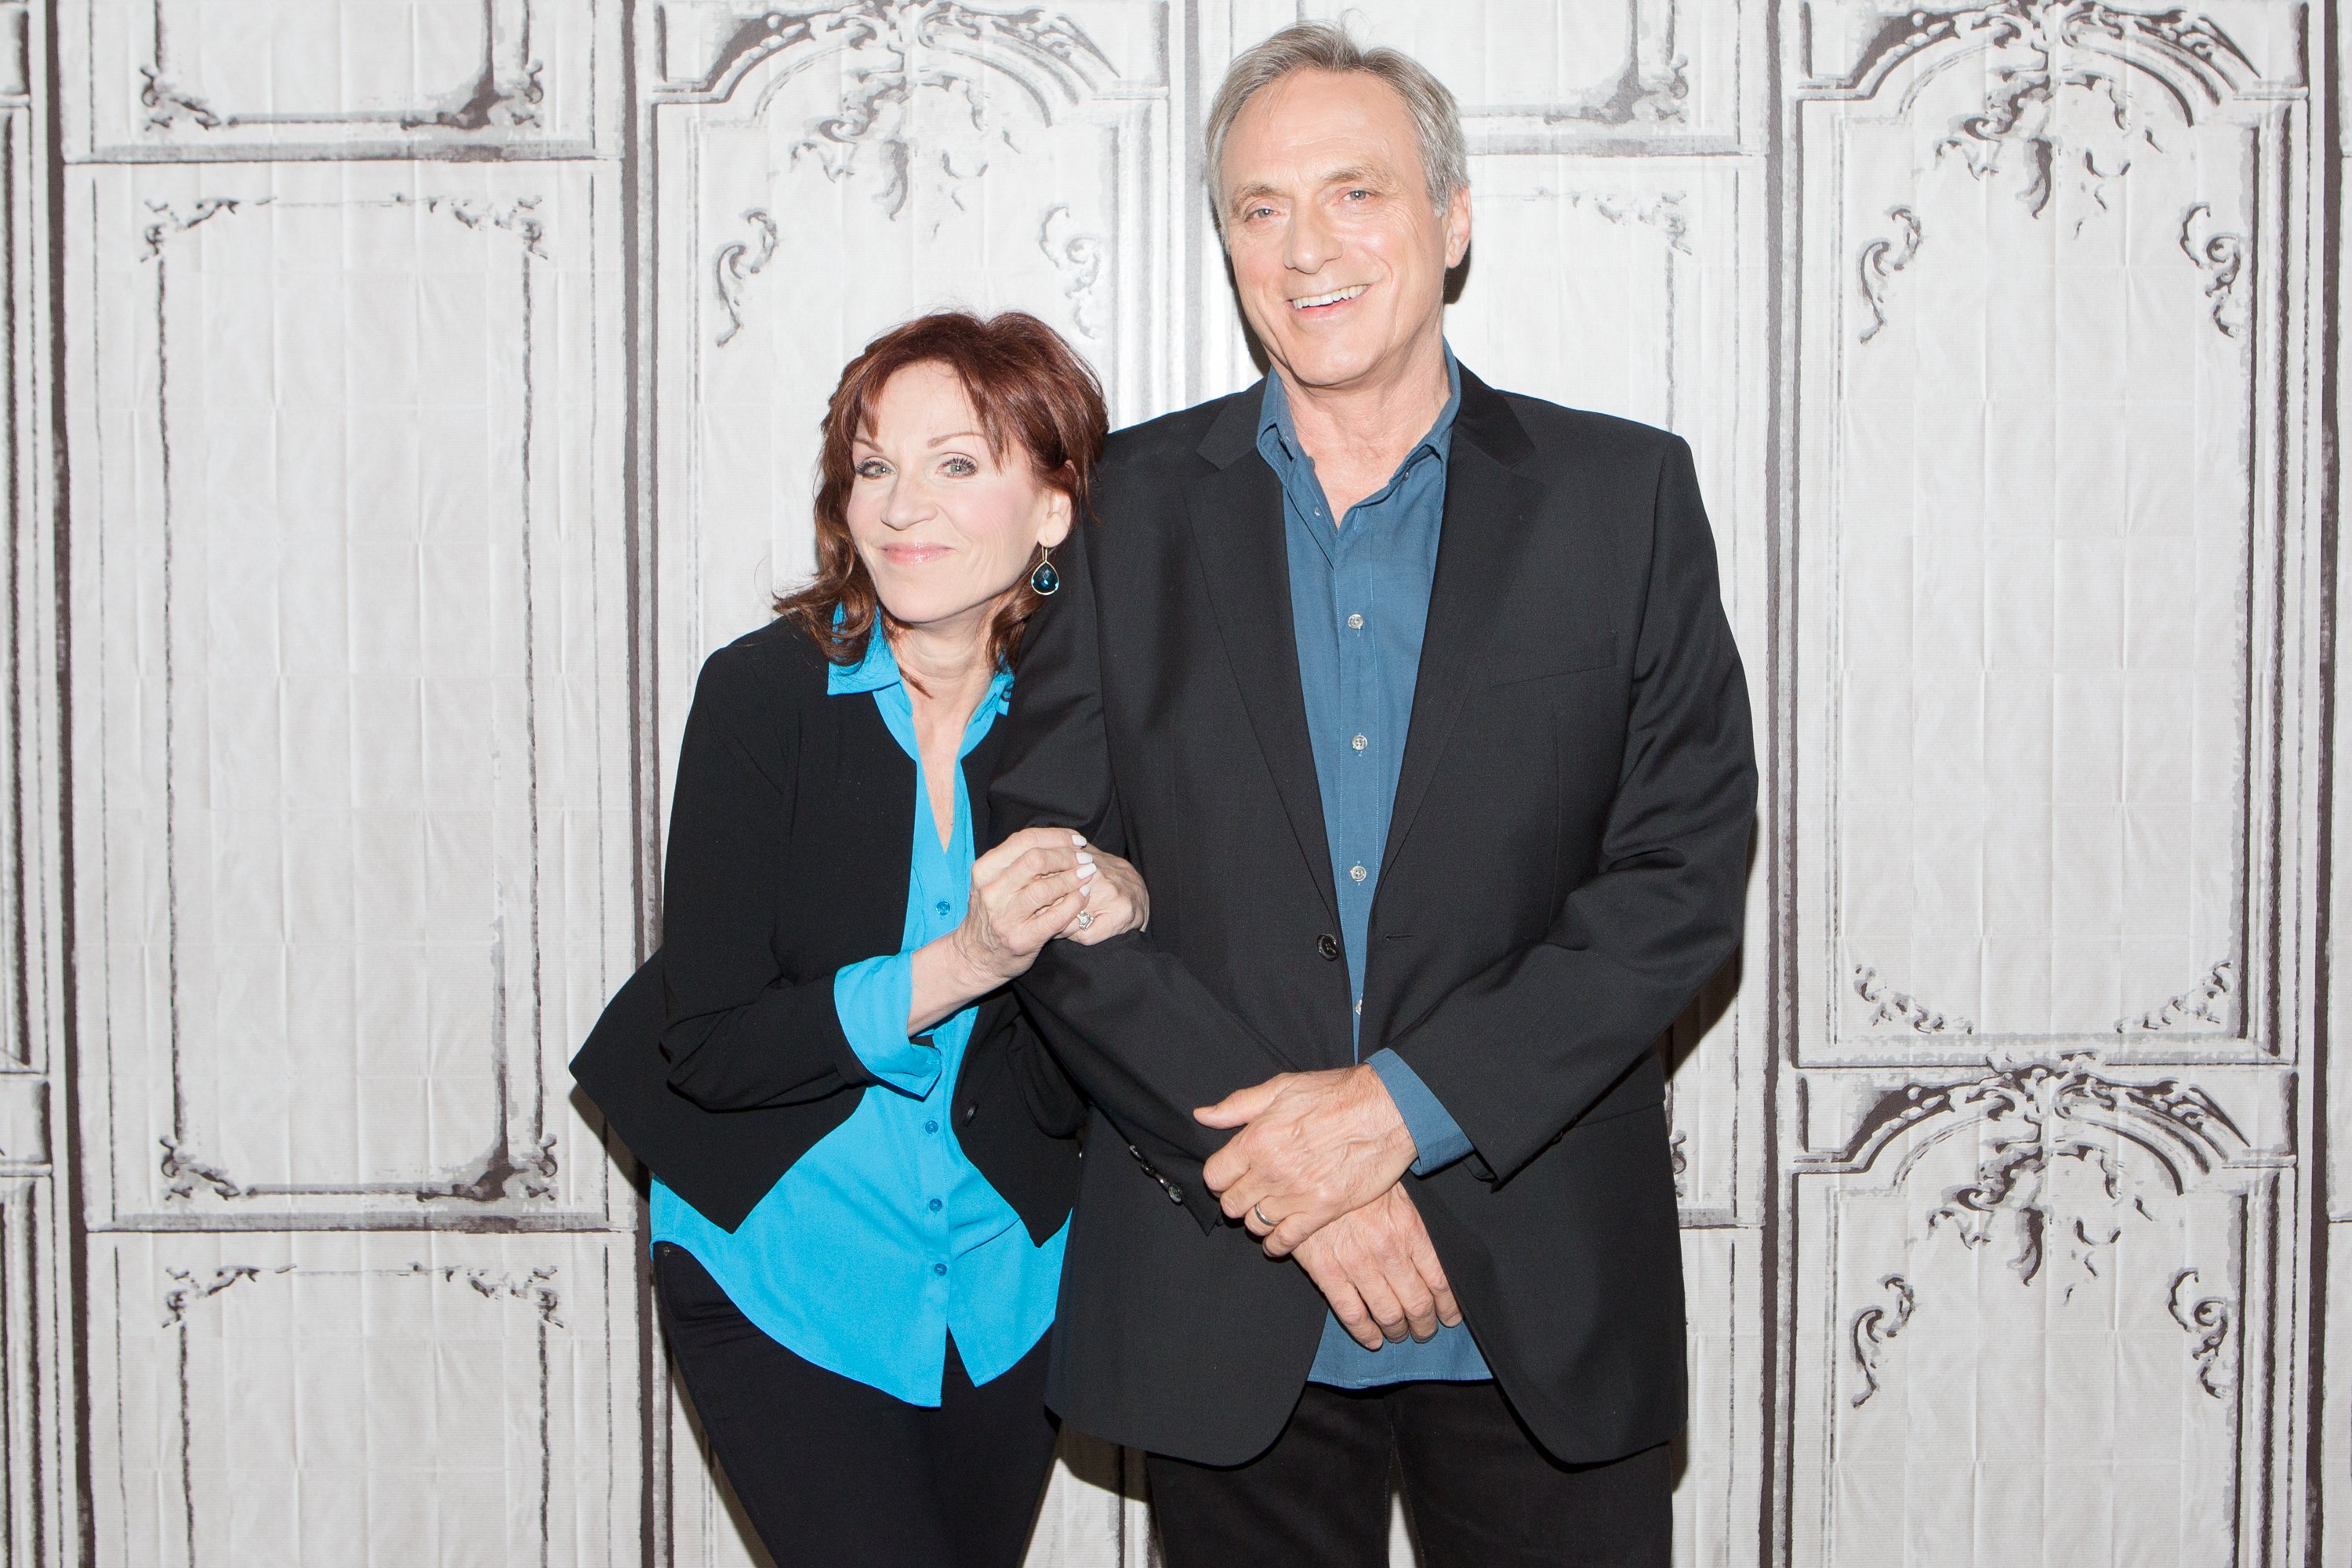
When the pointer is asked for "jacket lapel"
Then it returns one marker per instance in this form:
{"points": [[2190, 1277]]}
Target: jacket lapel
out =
{"points": [[1490, 509], [1237, 529]]}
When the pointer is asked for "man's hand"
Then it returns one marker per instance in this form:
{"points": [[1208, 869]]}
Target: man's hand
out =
{"points": [[1376, 1267], [1313, 1146]]}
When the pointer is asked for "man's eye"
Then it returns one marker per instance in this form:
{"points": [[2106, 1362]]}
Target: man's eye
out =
{"points": [[873, 468], [1360, 195], [1258, 213], [960, 468]]}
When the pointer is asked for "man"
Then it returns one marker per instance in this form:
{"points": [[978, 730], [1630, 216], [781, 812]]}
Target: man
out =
{"points": [[1415, 704]]}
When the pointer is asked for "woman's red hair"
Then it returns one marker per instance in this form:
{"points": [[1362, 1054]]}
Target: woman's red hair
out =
{"points": [[1031, 393]]}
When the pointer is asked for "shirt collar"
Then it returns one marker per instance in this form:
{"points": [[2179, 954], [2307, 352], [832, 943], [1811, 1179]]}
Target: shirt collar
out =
{"points": [[1276, 431], [879, 671]]}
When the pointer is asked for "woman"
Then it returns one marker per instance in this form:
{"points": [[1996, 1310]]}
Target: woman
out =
{"points": [[862, 1196]]}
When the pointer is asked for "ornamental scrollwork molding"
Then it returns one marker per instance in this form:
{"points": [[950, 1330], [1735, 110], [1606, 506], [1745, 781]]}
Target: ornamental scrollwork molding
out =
{"points": [[2042, 50], [167, 105], [520, 218], [170, 220], [2204, 1003], [536, 1289], [1892, 1006], [189, 1290], [1881, 260], [1078, 258], [2208, 1321], [1873, 1327], [2222, 258], [898, 55], [736, 264], [183, 1171], [2166, 1135]]}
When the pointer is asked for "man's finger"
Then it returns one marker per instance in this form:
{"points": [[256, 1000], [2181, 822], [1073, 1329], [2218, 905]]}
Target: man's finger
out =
{"points": [[1346, 1302], [1373, 1286], [1290, 1233], [1242, 1106], [1421, 1253]]}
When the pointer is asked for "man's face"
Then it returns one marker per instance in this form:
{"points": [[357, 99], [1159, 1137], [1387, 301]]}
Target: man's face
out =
{"points": [[1339, 256]]}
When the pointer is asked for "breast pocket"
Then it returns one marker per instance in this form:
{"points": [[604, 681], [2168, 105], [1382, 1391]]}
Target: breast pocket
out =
{"points": [[1579, 656]]}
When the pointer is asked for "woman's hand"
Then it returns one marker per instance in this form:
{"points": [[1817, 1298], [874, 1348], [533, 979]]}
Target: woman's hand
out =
{"points": [[1024, 893], [1114, 899]]}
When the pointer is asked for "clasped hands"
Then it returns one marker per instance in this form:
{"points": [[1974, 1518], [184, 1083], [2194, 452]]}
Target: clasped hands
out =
{"points": [[1315, 1171]]}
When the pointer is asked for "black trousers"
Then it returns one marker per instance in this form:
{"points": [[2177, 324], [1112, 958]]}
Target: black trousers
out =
{"points": [[833, 1471], [1478, 1491]]}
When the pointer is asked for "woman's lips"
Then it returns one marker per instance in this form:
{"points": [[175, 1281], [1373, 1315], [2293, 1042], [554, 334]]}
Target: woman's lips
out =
{"points": [[913, 554]]}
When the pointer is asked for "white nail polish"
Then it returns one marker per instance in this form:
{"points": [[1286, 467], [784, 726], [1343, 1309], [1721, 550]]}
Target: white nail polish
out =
{"points": [[1085, 858]]}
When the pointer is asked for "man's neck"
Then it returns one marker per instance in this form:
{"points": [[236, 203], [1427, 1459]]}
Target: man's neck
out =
{"points": [[1359, 433]]}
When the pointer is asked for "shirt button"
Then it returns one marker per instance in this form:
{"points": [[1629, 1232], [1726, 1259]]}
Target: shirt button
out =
{"points": [[1355, 623], [938, 1268], [1356, 873], [936, 1205], [1359, 743], [930, 1127], [1327, 945], [942, 906]]}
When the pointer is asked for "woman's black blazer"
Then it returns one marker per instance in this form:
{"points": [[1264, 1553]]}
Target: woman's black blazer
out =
{"points": [[722, 1061]]}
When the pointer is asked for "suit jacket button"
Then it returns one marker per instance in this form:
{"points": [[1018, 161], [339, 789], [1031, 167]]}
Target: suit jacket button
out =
{"points": [[1327, 945], [969, 1112]]}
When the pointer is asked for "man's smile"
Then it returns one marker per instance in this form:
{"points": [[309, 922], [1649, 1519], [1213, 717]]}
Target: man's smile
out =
{"points": [[1324, 301]]}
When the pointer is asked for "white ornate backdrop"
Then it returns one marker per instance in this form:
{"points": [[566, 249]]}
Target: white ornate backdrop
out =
{"points": [[403, 395]]}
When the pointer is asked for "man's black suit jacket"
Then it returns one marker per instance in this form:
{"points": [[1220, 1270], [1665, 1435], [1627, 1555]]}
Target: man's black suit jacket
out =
{"points": [[1564, 871], [723, 1060]]}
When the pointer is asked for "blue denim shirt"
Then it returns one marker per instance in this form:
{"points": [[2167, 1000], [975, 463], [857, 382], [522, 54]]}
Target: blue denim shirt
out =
{"points": [[884, 1238], [1359, 607]]}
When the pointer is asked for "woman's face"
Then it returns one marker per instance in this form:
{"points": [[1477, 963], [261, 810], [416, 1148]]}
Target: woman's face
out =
{"points": [[944, 524]]}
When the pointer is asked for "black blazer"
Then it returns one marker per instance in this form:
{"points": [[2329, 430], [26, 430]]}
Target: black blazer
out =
{"points": [[1564, 871], [722, 1061]]}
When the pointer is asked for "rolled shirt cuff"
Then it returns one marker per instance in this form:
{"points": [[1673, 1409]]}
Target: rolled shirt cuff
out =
{"points": [[872, 998], [1437, 1138]]}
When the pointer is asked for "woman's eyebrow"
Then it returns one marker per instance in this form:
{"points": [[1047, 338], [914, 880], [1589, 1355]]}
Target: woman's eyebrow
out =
{"points": [[954, 435]]}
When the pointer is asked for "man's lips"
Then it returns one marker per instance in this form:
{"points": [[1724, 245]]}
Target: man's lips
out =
{"points": [[1320, 304]]}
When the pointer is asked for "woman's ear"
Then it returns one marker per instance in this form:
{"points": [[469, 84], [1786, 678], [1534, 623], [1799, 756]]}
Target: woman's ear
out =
{"points": [[1058, 512]]}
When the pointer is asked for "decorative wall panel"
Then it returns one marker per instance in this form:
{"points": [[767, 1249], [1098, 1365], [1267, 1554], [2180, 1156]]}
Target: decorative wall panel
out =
{"points": [[341, 1399], [363, 849], [176, 79]]}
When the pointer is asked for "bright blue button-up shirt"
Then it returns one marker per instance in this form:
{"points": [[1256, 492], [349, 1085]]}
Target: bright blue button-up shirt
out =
{"points": [[1359, 607], [882, 1239]]}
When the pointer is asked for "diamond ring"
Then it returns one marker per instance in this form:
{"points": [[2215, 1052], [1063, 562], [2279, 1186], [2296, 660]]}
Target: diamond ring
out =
{"points": [[1086, 919]]}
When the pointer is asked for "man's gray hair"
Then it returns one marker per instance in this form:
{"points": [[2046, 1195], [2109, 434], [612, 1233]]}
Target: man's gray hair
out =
{"points": [[1322, 46]]}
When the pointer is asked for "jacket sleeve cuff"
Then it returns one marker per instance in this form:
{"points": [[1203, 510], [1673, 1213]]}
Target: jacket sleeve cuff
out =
{"points": [[1437, 1136], [871, 997]]}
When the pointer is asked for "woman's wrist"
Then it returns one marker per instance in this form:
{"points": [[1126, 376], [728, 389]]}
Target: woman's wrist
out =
{"points": [[945, 981]]}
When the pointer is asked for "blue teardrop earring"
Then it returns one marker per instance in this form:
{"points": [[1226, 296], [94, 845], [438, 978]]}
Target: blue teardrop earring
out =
{"points": [[1045, 579]]}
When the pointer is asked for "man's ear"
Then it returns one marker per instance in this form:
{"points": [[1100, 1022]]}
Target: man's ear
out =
{"points": [[1058, 513], [1458, 228]]}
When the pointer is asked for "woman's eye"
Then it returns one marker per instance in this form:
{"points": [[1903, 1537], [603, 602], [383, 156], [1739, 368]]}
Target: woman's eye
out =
{"points": [[873, 468], [960, 468]]}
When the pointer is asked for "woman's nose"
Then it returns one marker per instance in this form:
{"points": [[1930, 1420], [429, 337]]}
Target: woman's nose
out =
{"points": [[905, 505]]}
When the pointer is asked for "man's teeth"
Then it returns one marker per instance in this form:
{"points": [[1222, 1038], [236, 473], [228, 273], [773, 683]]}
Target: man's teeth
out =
{"points": [[1332, 299]]}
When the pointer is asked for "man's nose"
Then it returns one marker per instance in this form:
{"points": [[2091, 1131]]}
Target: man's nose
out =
{"points": [[1310, 242]]}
